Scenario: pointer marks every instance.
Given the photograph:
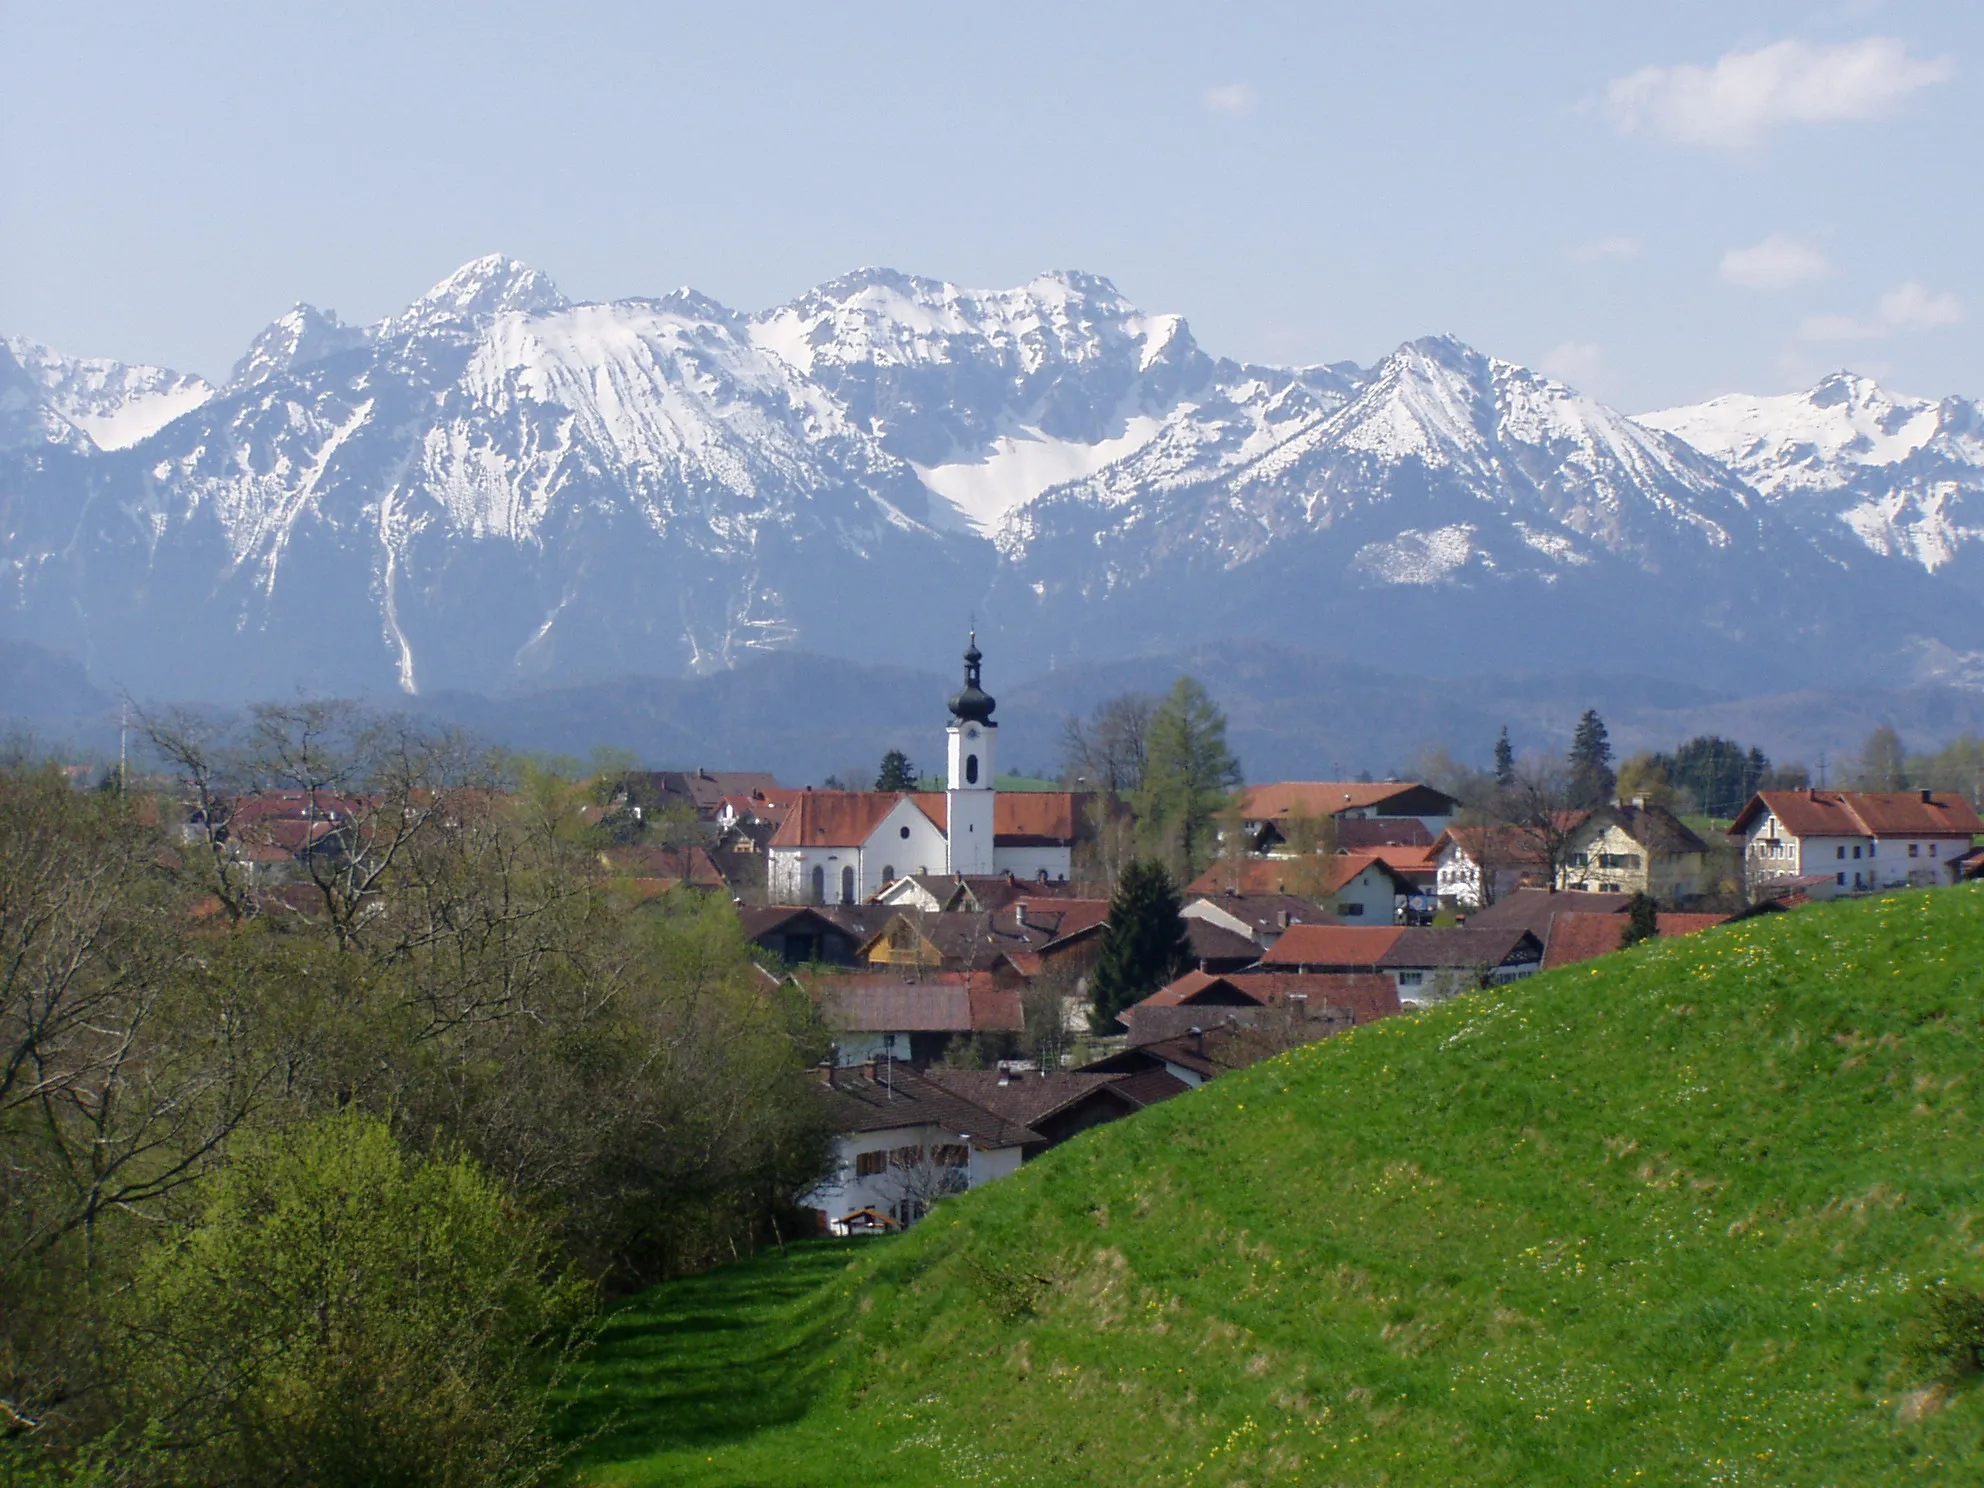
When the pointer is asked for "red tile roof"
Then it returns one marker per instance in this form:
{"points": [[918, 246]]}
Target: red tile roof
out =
{"points": [[1817, 813], [1578, 937], [1331, 945], [936, 1002], [848, 818]]}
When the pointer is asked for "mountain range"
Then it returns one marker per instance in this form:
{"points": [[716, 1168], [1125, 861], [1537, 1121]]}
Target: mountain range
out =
{"points": [[499, 489]]}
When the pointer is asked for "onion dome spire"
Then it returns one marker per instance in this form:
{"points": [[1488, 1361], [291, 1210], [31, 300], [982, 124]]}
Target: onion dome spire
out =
{"points": [[971, 703]]}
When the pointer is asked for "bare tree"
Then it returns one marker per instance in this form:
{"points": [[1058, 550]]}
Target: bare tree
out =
{"points": [[1106, 753], [1539, 803]]}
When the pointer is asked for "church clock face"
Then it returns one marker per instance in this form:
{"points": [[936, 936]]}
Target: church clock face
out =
{"points": [[971, 733]]}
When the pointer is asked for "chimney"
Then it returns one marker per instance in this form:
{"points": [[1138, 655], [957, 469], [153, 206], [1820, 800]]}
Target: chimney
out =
{"points": [[1019, 905], [1928, 798], [1281, 919], [825, 1071], [1198, 1039], [868, 1068]]}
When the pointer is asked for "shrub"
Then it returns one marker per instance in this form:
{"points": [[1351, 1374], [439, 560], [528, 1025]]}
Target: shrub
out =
{"points": [[345, 1313], [1946, 1338]]}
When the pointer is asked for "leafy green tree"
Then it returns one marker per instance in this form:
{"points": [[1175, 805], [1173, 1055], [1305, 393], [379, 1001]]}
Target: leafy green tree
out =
{"points": [[1645, 776], [1505, 758], [1143, 945], [897, 773], [1642, 920], [1188, 775], [344, 1313], [1592, 781], [1719, 773]]}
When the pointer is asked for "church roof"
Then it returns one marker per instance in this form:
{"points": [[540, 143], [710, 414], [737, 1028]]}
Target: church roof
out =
{"points": [[849, 818]]}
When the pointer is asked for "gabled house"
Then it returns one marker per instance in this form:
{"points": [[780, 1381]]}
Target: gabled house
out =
{"points": [[1425, 965], [1475, 866], [1260, 917], [1352, 886], [1266, 811], [1846, 842], [1634, 849], [913, 1019], [798, 935], [1267, 1001], [904, 1143], [1056, 1104]]}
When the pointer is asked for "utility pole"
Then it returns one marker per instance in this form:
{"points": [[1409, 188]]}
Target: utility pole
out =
{"points": [[123, 747]]}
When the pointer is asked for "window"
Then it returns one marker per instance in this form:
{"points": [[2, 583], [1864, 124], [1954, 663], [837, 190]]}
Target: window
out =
{"points": [[1350, 909], [847, 886], [1580, 860], [888, 873], [1932, 849], [819, 886], [1411, 978], [1842, 853], [905, 1157], [1915, 849], [1856, 850], [905, 834], [870, 1164], [971, 769], [1842, 880], [950, 1155], [1873, 848]]}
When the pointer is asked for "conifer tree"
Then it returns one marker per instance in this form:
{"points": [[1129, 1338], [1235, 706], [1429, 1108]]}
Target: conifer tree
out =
{"points": [[1642, 921], [1143, 945], [1505, 758], [1592, 780], [897, 773]]}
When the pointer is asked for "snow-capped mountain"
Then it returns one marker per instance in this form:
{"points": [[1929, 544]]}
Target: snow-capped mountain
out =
{"points": [[47, 398], [1904, 475], [499, 485]]}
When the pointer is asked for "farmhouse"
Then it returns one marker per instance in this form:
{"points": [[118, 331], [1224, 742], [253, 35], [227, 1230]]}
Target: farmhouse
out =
{"points": [[1846, 842]]}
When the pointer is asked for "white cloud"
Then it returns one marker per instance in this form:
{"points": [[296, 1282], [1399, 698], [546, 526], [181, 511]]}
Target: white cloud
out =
{"points": [[1605, 248], [1231, 98], [1733, 102], [1777, 262], [1909, 308], [1572, 361]]}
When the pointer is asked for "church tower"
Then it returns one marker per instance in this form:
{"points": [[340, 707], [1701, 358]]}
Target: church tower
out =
{"points": [[969, 780]]}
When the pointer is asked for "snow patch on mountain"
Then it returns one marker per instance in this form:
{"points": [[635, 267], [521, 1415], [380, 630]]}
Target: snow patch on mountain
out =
{"points": [[1804, 441], [1019, 465], [116, 404]]}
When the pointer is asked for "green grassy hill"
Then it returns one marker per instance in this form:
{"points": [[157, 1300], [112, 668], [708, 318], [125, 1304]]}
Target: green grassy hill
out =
{"points": [[1668, 1217]]}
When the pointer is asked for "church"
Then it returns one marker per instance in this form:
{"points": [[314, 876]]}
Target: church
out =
{"points": [[845, 847]]}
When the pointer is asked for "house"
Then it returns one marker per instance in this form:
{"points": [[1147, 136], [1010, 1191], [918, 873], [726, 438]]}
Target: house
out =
{"points": [[1475, 866], [1425, 965], [1861, 840], [1260, 917], [650, 870], [912, 1018], [1634, 849], [1533, 909], [955, 940], [1214, 949], [703, 792], [1261, 1000], [1266, 811], [1223, 1041], [1057, 1104], [1576, 937], [846, 846], [799, 934], [905, 1142], [1359, 886], [937, 892]]}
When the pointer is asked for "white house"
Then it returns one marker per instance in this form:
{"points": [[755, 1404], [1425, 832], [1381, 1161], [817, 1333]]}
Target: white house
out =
{"points": [[904, 1142], [844, 847], [1846, 842]]}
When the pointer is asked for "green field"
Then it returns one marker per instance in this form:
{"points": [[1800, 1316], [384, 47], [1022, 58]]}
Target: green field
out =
{"points": [[1668, 1217]]}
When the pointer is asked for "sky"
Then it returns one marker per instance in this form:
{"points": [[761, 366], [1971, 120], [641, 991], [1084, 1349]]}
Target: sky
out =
{"points": [[1657, 203]]}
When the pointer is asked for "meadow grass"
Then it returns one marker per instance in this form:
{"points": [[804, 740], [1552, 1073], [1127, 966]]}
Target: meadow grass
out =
{"points": [[1666, 1217]]}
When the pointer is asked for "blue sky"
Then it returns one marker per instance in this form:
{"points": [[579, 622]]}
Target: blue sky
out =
{"points": [[1658, 202]]}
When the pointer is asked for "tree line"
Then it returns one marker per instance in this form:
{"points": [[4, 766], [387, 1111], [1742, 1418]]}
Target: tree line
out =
{"points": [[323, 1180]]}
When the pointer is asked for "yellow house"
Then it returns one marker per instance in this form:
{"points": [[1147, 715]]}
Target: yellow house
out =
{"points": [[1634, 849]]}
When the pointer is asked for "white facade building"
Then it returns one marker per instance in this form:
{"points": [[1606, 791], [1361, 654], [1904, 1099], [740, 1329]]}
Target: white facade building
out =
{"points": [[1847, 842], [845, 847]]}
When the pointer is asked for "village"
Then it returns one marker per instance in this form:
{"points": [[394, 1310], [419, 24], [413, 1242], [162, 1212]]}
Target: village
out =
{"points": [[992, 988]]}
